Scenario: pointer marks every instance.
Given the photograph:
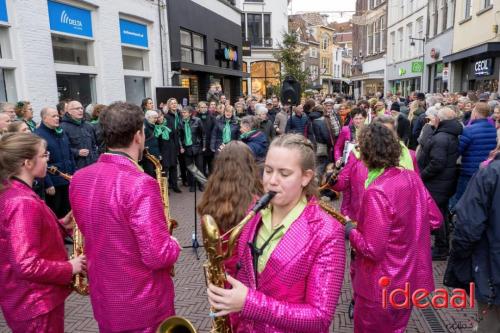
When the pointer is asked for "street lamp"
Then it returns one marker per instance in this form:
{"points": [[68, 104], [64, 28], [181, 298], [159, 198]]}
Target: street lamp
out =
{"points": [[412, 43]]}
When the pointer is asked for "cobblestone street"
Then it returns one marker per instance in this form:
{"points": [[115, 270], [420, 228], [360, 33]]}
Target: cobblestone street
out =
{"points": [[191, 299]]}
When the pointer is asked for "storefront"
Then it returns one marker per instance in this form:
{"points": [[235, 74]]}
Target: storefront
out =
{"points": [[477, 68], [203, 50], [405, 77]]}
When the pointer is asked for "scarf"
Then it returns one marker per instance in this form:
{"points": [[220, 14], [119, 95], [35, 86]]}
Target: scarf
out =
{"points": [[188, 140], [75, 121], [247, 134], [372, 175], [58, 131], [177, 121], [162, 131], [31, 125], [405, 160], [226, 132]]}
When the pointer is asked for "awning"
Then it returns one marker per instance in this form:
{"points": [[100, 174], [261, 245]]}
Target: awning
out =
{"points": [[480, 51]]}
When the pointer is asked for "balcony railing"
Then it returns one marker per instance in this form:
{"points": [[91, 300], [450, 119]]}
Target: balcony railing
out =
{"points": [[261, 42]]}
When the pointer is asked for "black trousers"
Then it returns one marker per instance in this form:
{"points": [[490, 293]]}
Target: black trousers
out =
{"points": [[182, 167], [207, 164], [442, 237], [197, 159], [59, 203]]}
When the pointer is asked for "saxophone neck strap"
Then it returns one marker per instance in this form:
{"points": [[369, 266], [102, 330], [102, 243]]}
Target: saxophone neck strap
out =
{"points": [[121, 153]]}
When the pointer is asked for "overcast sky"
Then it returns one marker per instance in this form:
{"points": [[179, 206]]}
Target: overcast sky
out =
{"points": [[324, 6]]}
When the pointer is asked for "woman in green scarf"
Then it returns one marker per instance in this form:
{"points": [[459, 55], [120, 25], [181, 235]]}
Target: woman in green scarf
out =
{"points": [[192, 143], [24, 112], [225, 130]]}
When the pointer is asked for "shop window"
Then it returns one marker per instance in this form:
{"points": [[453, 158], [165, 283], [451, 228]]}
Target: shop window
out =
{"points": [[72, 51], [265, 77], [76, 86], [135, 59], [136, 89], [192, 47]]}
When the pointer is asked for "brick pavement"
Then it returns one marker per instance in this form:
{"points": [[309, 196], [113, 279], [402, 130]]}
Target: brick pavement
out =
{"points": [[191, 298]]}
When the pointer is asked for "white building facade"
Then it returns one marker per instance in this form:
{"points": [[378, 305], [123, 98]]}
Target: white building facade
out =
{"points": [[96, 51], [407, 21], [263, 24]]}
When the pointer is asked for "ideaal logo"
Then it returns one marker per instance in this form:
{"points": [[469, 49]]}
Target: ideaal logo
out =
{"points": [[77, 24], [440, 299]]}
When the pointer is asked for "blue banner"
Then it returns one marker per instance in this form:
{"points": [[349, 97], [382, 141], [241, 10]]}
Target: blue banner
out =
{"points": [[133, 33], [3, 11], [70, 19]]}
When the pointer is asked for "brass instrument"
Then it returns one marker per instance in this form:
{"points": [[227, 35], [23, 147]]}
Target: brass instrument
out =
{"points": [[80, 282], [333, 212], [213, 241], [176, 324], [162, 182]]}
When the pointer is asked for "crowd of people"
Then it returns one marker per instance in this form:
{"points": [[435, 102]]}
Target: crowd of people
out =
{"points": [[406, 167]]}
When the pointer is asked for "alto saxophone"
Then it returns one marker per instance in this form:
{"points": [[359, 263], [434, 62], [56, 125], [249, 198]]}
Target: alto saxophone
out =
{"points": [[333, 212], [213, 243], [80, 282]]}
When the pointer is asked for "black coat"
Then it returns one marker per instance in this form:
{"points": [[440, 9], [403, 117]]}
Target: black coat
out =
{"points": [[438, 161], [81, 136], [169, 149], [197, 136], [476, 239], [60, 155], [152, 143], [208, 122], [403, 128], [216, 140], [267, 127], [322, 133]]}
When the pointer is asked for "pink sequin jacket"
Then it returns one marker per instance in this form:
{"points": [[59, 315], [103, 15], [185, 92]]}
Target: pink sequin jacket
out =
{"points": [[351, 182], [299, 288], [129, 250], [393, 235], [34, 270]]}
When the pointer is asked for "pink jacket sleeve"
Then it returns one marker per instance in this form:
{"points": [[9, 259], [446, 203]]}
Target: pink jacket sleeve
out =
{"points": [[377, 212], [338, 149], [148, 222], [26, 238], [322, 292], [344, 177]]}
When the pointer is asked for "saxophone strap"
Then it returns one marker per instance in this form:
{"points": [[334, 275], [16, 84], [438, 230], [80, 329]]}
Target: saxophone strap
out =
{"points": [[116, 152], [258, 251]]}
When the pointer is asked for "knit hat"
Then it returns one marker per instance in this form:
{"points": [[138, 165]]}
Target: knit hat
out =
{"points": [[395, 107]]}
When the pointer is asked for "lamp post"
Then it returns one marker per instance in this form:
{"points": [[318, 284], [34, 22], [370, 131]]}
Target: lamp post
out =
{"points": [[412, 43]]}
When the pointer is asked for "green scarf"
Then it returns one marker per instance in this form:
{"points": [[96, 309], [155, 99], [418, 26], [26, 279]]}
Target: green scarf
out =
{"points": [[177, 121], [372, 175], [95, 121], [405, 160], [188, 140], [162, 131], [75, 121], [226, 132], [31, 125], [58, 130], [247, 134]]}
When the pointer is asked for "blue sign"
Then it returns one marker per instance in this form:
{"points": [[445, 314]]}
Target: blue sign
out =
{"points": [[70, 19], [133, 33], [3, 11]]}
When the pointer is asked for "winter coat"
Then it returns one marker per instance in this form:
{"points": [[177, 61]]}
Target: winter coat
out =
{"points": [[169, 149], [197, 136], [438, 161], [81, 136], [403, 128], [218, 129], [267, 128], [280, 121], [476, 142], [416, 126], [476, 239], [345, 135], [257, 142], [152, 142], [208, 122], [60, 155]]}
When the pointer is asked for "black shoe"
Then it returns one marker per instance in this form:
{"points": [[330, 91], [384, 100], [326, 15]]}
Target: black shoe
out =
{"points": [[201, 188], [192, 189], [439, 254], [177, 190]]}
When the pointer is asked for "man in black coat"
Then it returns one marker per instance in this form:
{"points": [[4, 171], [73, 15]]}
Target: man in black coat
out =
{"points": [[208, 121], [56, 187], [82, 137], [402, 123], [476, 242], [438, 169]]}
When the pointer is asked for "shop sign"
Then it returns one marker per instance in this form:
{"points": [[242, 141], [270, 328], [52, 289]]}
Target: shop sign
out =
{"points": [[445, 74], [439, 67], [434, 53], [483, 67], [417, 66], [3, 11], [69, 19], [246, 48], [133, 33], [227, 54], [402, 71]]}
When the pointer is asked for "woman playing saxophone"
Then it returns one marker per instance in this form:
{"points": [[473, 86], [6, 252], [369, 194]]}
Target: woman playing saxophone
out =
{"points": [[291, 256]]}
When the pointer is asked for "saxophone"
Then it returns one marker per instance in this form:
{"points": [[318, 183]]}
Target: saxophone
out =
{"points": [[333, 212], [162, 182], [80, 283], [213, 244]]}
